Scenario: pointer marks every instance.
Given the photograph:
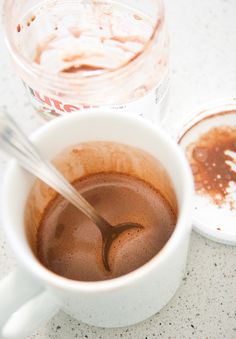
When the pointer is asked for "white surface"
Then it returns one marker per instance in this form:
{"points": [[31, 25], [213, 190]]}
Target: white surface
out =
{"points": [[203, 70]]}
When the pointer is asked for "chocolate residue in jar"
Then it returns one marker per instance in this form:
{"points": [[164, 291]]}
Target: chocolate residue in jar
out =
{"points": [[131, 38], [137, 17], [42, 47], [18, 28], [212, 163], [104, 39], [85, 68], [33, 17], [75, 32]]}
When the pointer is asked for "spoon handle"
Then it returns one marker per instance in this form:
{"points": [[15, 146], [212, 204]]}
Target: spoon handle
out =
{"points": [[14, 142]]}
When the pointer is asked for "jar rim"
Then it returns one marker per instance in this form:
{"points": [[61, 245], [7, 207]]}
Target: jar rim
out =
{"points": [[33, 70]]}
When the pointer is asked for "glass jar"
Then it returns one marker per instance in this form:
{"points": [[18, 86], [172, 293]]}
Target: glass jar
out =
{"points": [[75, 54]]}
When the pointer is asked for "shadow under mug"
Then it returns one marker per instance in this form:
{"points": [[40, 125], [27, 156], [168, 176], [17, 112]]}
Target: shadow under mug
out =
{"points": [[32, 294]]}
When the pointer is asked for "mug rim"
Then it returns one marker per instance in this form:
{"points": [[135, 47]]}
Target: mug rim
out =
{"points": [[32, 264]]}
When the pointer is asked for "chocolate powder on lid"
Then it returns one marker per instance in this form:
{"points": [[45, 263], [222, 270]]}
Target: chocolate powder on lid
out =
{"points": [[213, 161]]}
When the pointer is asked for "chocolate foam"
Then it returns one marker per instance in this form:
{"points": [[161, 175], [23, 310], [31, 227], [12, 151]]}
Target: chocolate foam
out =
{"points": [[87, 160], [70, 245]]}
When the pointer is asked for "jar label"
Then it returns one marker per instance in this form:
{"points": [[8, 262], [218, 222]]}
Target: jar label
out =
{"points": [[147, 106]]}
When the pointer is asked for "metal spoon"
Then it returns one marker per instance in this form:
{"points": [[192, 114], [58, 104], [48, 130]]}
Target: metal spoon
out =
{"points": [[15, 143]]}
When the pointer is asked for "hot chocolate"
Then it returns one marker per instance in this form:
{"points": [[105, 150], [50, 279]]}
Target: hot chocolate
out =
{"points": [[69, 244]]}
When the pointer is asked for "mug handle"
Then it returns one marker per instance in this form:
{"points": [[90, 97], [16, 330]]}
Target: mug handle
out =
{"points": [[24, 305]]}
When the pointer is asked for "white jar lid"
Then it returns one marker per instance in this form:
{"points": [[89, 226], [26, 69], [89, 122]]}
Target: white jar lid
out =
{"points": [[208, 142]]}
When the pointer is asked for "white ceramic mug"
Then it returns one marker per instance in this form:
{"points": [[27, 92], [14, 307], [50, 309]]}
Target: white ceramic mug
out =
{"points": [[32, 294]]}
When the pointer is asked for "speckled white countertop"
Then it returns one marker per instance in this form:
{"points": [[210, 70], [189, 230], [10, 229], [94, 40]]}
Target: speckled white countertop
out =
{"points": [[203, 70]]}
